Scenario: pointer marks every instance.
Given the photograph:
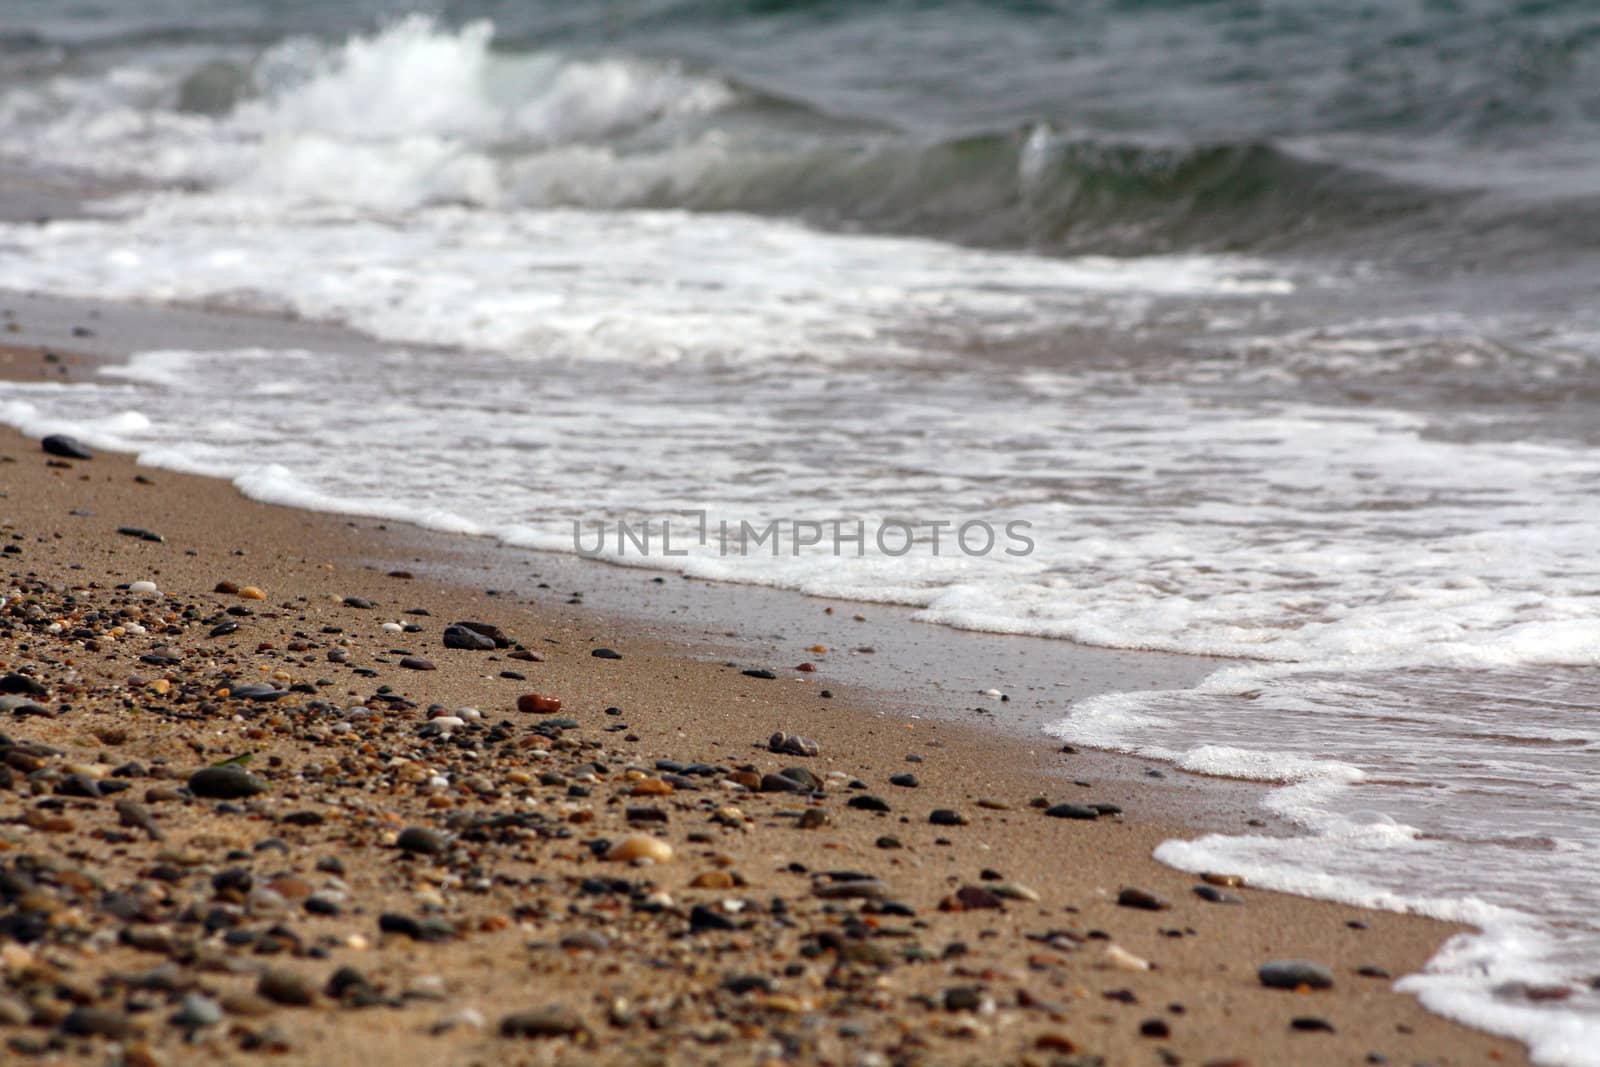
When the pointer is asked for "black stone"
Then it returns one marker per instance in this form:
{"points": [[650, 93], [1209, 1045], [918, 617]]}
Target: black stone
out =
{"points": [[466, 639], [21, 683], [225, 783], [1071, 811], [141, 533], [59, 444]]}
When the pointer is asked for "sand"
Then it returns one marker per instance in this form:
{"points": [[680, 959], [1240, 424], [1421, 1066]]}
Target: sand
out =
{"points": [[995, 937]]}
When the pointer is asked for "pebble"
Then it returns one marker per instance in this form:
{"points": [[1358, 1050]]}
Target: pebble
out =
{"points": [[1311, 1024], [1214, 895], [905, 781], [59, 444], [1142, 900], [946, 817], [417, 663], [557, 1020], [423, 840], [22, 684], [868, 802], [358, 602], [538, 704], [852, 889], [792, 744], [586, 941], [767, 675], [141, 533], [286, 987], [1227, 881], [466, 639], [606, 653], [640, 846], [1123, 960], [1071, 811], [1292, 974], [712, 880], [1014, 891], [84, 1021], [196, 1010], [493, 633], [143, 587], [229, 782], [962, 998], [263, 694]]}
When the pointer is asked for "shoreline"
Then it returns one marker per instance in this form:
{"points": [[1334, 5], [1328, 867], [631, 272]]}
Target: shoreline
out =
{"points": [[684, 706]]}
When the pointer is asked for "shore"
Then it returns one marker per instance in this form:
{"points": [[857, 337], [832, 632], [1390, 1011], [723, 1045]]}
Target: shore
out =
{"points": [[373, 884]]}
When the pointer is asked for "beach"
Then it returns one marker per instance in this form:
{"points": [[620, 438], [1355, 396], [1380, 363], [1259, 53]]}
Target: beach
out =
{"points": [[885, 888]]}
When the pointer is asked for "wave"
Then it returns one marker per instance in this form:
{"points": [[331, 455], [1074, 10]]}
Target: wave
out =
{"points": [[418, 114]]}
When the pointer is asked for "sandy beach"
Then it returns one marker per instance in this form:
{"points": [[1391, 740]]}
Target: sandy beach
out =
{"points": [[641, 846]]}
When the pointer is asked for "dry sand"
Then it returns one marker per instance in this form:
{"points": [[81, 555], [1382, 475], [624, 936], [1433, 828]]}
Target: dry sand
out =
{"points": [[987, 940]]}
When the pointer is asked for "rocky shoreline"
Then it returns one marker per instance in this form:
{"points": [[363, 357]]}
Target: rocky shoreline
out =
{"points": [[257, 799]]}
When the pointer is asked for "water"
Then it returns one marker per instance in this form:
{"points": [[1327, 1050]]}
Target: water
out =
{"points": [[1273, 325]]}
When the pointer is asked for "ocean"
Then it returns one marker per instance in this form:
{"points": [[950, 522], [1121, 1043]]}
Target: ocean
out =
{"points": [[1254, 329]]}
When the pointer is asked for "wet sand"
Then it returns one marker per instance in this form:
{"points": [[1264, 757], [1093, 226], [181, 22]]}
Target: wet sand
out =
{"points": [[452, 893]]}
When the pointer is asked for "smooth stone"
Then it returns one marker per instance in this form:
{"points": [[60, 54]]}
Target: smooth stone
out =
{"points": [[804, 777], [493, 633], [196, 1010], [1138, 898], [1311, 1024], [782, 783], [1213, 895], [265, 694], [461, 637], [868, 802], [977, 898], [792, 744], [59, 444], [225, 783], [1292, 974], [946, 817], [422, 839], [852, 889], [586, 941], [703, 918], [962, 998], [1071, 811], [905, 781], [767, 675], [21, 683], [141, 533], [606, 653], [97, 1022], [557, 1020], [640, 846], [286, 987], [358, 602], [417, 663]]}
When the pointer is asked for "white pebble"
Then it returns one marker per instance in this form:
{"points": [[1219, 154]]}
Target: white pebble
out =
{"points": [[134, 628], [469, 714], [1120, 958], [393, 627], [143, 587]]}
